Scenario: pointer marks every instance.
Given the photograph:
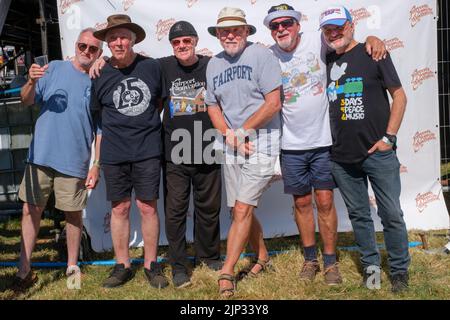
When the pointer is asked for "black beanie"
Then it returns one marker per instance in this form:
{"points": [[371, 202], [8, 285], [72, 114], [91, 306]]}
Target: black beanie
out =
{"points": [[182, 29]]}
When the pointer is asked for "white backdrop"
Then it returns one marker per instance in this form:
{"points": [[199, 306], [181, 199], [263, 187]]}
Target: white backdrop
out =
{"points": [[409, 31]]}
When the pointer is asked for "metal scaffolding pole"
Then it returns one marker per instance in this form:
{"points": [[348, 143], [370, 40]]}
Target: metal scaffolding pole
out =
{"points": [[43, 22]]}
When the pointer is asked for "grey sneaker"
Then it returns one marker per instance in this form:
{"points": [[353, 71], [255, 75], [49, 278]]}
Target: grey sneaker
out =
{"points": [[332, 275], [399, 282], [309, 270], [155, 276], [181, 279], [118, 276]]}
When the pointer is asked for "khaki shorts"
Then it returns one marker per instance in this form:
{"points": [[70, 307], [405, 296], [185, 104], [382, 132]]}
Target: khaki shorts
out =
{"points": [[39, 182], [247, 181]]}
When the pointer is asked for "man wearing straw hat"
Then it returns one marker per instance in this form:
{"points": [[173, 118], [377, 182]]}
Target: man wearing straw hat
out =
{"points": [[243, 99], [126, 96]]}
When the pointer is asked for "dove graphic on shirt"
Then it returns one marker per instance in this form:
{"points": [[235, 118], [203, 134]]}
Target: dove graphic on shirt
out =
{"points": [[335, 74]]}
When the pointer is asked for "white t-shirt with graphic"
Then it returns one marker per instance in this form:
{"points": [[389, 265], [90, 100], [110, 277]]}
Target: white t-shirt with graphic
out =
{"points": [[305, 118]]}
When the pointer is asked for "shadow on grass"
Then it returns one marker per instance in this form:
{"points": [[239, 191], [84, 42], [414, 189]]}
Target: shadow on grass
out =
{"points": [[46, 277]]}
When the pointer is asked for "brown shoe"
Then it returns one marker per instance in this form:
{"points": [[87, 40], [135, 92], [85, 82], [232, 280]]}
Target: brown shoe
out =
{"points": [[21, 285], [332, 275], [309, 270]]}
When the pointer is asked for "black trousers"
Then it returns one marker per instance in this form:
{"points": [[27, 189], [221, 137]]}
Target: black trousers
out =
{"points": [[207, 191]]}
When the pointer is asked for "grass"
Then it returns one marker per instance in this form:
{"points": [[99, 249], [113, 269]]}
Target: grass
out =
{"points": [[429, 274]]}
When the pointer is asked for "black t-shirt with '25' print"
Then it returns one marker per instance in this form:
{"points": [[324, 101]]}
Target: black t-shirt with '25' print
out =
{"points": [[126, 99]]}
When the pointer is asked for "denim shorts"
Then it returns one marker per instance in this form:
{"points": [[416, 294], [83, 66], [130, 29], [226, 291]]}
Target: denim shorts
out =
{"points": [[142, 176], [306, 169]]}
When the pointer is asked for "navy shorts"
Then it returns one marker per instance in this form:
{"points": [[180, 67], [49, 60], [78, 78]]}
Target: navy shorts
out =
{"points": [[306, 169], [142, 176]]}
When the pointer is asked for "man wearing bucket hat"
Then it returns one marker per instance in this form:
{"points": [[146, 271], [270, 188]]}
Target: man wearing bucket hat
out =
{"points": [[243, 99], [126, 96], [306, 141], [184, 84], [360, 113]]}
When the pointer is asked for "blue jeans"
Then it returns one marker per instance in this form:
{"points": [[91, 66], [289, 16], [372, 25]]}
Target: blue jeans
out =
{"points": [[383, 171]]}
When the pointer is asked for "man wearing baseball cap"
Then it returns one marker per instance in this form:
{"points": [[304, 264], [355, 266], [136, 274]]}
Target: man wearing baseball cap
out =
{"points": [[126, 96], [243, 99], [360, 112], [306, 140], [184, 87]]}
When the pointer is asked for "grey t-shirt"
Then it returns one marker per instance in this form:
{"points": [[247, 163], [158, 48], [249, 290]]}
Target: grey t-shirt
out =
{"points": [[238, 84]]}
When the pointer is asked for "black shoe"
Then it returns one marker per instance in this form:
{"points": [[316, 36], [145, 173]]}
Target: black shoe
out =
{"points": [[155, 276], [21, 285], [214, 265], [399, 282], [181, 279], [118, 276]]}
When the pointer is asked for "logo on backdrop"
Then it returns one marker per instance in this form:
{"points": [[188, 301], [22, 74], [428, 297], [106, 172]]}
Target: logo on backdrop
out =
{"points": [[132, 97], [66, 4], [423, 199], [163, 27], [100, 25], [420, 75], [253, 1], [420, 138], [392, 44], [373, 202], [107, 223], [403, 169], [359, 14], [418, 12], [190, 3], [205, 52], [127, 4]]}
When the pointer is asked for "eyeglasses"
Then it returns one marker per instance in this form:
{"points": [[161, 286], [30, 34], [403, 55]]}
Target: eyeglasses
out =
{"points": [[83, 46], [186, 41], [285, 24]]}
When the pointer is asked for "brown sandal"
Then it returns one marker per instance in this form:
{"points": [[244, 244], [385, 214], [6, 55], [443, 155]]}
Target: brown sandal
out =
{"points": [[266, 265], [227, 292]]}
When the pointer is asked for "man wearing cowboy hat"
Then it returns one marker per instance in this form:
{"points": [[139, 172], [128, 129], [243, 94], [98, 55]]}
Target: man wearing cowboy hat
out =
{"points": [[126, 95], [243, 99], [306, 141]]}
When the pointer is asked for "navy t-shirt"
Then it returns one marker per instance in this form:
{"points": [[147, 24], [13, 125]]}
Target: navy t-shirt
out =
{"points": [[126, 99], [359, 104]]}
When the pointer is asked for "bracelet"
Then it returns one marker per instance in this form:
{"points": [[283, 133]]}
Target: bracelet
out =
{"points": [[96, 163]]}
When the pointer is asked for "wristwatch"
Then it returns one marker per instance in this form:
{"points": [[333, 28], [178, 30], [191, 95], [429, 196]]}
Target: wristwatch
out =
{"points": [[389, 139]]}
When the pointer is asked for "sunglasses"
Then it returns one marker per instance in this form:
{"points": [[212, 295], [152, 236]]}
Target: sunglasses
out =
{"points": [[285, 24], [186, 41], [83, 46]]}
